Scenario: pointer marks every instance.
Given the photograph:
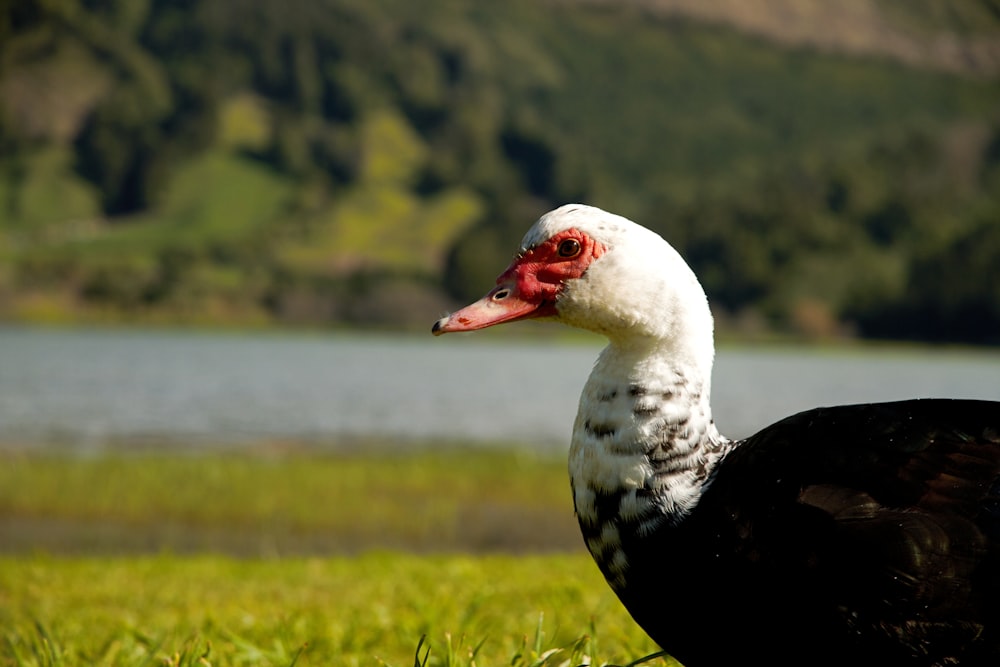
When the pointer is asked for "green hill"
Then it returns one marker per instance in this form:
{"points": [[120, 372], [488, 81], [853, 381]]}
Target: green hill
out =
{"points": [[827, 170]]}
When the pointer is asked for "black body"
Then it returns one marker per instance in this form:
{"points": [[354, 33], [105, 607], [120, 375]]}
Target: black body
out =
{"points": [[853, 535]]}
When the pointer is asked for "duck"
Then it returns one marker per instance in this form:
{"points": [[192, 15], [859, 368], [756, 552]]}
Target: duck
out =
{"points": [[864, 534]]}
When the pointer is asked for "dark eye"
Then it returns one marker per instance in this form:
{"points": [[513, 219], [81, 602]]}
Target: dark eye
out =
{"points": [[569, 248]]}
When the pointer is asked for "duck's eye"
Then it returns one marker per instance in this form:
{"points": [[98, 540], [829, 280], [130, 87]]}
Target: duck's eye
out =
{"points": [[569, 248]]}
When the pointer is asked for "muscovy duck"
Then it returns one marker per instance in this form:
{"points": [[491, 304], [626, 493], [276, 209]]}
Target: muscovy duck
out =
{"points": [[852, 535]]}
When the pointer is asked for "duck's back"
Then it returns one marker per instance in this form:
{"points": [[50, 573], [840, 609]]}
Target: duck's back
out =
{"points": [[862, 534]]}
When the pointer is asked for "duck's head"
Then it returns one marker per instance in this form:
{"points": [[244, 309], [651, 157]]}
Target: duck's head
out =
{"points": [[595, 270]]}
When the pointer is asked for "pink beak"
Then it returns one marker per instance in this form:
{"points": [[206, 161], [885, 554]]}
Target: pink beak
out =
{"points": [[502, 304]]}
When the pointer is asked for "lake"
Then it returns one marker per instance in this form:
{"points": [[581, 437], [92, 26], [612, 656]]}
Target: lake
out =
{"points": [[87, 389]]}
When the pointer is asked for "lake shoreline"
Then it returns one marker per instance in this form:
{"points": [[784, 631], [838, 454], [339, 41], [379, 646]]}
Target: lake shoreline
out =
{"points": [[95, 388]]}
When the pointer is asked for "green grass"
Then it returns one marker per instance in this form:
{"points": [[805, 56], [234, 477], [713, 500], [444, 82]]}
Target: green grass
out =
{"points": [[272, 501], [368, 610], [281, 556]]}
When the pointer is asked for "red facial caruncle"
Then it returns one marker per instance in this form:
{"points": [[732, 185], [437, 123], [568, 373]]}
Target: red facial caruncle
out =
{"points": [[530, 285]]}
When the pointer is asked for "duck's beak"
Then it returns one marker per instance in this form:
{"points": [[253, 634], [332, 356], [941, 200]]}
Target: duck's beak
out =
{"points": [[503, 303]]}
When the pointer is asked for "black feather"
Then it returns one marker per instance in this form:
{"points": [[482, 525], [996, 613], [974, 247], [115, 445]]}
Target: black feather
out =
{"points": [[862, 534]]}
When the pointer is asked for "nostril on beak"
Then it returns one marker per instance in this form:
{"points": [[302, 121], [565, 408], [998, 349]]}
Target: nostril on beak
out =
{"points": [[501, 294]]}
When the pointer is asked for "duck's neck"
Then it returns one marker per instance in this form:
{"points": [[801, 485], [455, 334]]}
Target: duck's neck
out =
{"points": [[644, 445]]}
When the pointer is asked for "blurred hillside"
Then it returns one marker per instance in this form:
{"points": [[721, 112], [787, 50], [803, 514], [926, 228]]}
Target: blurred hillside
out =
{"points": [[827, 168]]}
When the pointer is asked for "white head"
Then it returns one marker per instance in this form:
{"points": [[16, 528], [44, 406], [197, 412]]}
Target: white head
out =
{"points": [[595, 270]]}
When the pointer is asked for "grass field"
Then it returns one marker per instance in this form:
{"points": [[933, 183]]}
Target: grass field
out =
{"points": [[281, 557], [365, 610]]}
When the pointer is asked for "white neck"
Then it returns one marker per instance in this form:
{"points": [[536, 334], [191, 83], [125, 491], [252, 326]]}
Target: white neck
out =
{"points": [[644, 444]]}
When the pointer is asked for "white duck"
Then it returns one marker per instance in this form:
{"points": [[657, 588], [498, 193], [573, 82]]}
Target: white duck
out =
{"points": [[865, 534]]}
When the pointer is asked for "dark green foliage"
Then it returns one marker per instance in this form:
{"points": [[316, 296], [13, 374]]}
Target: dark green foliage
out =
{"points": [[809, 190], [117, 150], [953, 293]]}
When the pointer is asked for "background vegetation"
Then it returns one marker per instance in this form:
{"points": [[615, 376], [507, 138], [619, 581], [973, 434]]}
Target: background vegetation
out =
{"points": [[369, 162]]}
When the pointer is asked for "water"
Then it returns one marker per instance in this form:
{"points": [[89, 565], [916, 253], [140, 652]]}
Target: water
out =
{"points": [[91, 388]]}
